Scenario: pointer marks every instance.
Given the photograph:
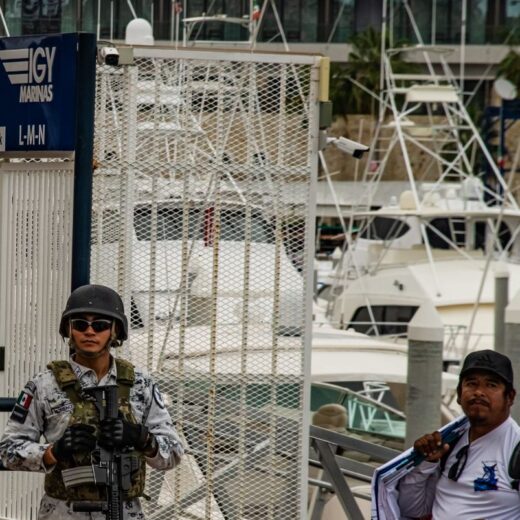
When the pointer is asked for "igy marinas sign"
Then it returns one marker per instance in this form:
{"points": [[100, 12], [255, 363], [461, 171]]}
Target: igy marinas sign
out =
{"points": [[38, 92], [30, 68]]}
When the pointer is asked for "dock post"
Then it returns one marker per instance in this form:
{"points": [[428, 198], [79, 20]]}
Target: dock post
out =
{"points": [[424, 378], [501, 302], [512, 343]]}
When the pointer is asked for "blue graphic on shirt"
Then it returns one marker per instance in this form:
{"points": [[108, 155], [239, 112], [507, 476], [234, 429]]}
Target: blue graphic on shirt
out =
{"points": [[488, 481]]}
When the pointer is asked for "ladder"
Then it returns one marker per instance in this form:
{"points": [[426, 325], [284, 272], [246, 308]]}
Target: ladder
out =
{"points": [[424, 132]]}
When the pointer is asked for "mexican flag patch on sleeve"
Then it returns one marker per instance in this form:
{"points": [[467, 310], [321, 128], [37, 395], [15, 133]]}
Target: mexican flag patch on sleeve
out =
{"points": [[21, 408], [25, 400]]}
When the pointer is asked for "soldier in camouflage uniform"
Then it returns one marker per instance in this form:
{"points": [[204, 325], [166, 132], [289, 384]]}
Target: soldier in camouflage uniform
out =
{"points": [[52, 408]]}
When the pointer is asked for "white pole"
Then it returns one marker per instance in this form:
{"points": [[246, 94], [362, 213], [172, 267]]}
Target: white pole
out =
{"points": [[6, 29], [184, 33], [424, 375], [463, 47], [111, 20], [434, 22], [251, 24], [383, 50], [98, 19], [131, 7], [280, 26], [336, 23], [177, 28], [172, 20], [501, 302]]}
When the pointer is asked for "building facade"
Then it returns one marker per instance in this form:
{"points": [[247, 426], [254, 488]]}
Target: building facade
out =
{"points": [[305, 22]]}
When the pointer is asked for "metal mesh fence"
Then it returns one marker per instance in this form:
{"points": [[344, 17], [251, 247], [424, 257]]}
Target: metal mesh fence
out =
{"points": [[36, 237], [201, 219]]}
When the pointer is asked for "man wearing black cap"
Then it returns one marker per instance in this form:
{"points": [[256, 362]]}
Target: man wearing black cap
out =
{"points": [[470, 479]]}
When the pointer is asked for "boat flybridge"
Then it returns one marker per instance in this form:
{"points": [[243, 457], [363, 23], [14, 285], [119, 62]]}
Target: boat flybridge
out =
{"points": [[391, 270]]}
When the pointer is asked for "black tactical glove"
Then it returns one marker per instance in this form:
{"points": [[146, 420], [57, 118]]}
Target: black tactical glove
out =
{"points": [[77, 438], [118, 433]]}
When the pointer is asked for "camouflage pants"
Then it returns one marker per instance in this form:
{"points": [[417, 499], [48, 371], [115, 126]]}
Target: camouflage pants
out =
{"points": [[52, 509]]}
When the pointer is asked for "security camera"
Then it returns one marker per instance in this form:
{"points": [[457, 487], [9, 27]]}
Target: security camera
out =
{"points": [[108, 56], [351, 147]]}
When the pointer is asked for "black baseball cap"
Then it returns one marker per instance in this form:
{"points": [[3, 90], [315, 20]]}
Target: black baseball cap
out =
{"points": [[490, 361]]}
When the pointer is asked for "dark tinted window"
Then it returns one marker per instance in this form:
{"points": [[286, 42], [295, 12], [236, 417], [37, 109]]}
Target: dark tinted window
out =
{"points": [[384, 228], [233, 224], [169, 223], [389, 319], [453, 229]]}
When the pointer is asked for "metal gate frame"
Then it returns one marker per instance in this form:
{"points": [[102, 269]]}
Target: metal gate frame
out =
{"points": [[317, 65]]}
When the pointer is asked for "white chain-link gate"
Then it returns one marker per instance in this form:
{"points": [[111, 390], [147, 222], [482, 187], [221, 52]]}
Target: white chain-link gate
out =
{"points": [[203, 220]]}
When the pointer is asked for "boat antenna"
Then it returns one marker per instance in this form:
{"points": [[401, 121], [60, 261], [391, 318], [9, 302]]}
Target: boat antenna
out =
{"points": [[384, 23], [463, 47], [132, 9], [336, 22], [279, 25], [4, 23]]}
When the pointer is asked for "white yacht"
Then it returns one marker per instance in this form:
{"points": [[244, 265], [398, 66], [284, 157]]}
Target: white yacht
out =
{"points": [[398, 271], [446, 236]]}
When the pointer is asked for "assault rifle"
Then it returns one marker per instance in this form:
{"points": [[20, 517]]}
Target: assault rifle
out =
{"points": [[112, 469]]}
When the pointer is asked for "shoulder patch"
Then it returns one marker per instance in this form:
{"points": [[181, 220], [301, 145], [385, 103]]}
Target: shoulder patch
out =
{"points": [[30, 388], [21, 408], [19, 414], [157, 396]]}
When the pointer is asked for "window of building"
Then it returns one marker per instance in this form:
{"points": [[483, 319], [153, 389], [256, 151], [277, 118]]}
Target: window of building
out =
{"points": [[440, 21]]}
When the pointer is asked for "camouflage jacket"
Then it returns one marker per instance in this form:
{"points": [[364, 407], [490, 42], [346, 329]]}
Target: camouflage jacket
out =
{"points": [[42, 415]]}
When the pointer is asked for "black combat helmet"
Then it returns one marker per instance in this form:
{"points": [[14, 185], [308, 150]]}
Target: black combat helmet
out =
{"points": [[95, 299]]}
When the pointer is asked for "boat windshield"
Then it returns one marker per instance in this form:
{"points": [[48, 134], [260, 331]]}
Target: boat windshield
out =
{"points": [[366, 414], [383, 319], [233, 224]]}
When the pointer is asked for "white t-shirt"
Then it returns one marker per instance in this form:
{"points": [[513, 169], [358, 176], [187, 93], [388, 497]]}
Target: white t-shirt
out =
{"points": [[483, 490]]}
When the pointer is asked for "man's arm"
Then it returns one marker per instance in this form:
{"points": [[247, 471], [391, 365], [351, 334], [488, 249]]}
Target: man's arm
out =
{"points": [[417, 489], [20, 447], [165, 442]]}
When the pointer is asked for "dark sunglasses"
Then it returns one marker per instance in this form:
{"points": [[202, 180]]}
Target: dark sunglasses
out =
{"points": [[82, 325], [458, 466]]}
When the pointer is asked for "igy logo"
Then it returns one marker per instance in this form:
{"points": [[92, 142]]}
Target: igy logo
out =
{"points": [[32, 70]]}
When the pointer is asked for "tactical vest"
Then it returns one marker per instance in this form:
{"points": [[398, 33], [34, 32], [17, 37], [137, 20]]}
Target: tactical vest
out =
{"points": [[85, 412]]}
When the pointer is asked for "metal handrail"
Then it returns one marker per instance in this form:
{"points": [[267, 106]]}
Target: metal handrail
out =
{"points": [[7, 404], [325, 444]]}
